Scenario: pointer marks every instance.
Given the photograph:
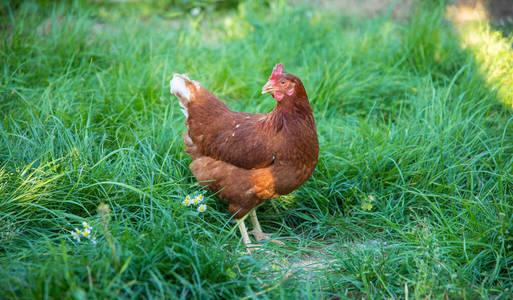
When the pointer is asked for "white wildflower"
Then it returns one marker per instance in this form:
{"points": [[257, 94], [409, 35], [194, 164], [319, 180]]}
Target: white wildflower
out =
{"points": [[86, 233], [86, 226], [187, 201], [195, 11], [75, 235], [202, 208], [197, 200]]}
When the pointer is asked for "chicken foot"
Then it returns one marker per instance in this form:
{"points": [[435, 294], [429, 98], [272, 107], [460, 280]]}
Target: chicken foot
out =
{"points": [[257, 230]]}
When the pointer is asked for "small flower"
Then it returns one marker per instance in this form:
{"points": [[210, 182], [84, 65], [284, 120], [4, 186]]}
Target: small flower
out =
{"points": [[241, 253], [197, 200], [195, 11], [86, 226], [202, 208], [75, 236], [188, 201], [367, 206], [86, 233]]}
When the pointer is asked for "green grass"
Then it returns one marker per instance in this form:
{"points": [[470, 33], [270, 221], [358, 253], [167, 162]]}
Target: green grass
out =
{"points": [[412, 196]]}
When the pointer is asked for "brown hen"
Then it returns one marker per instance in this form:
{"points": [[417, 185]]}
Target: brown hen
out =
{"points": [[248, 158]]}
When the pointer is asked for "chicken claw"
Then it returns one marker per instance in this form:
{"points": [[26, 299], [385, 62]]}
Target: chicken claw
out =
{"points": [[251, 248], [258, 233], [261, 236]]}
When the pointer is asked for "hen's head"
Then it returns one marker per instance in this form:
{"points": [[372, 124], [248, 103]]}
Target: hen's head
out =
{"points": [[283, 85]]}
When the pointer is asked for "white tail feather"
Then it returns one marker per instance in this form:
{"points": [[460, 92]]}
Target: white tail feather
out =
{"points": [[180, 89]]}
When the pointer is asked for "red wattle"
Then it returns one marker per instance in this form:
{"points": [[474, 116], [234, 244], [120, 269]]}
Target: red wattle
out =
{"points": [[278, 96]]}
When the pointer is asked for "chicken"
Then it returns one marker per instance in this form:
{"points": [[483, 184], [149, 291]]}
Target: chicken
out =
{"points": [[247, 158]]}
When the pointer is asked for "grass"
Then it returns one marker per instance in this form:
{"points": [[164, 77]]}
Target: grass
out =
{"points": [[412, 196]]}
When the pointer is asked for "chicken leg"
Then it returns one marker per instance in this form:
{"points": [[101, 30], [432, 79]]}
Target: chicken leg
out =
{"points": [[245, 236], [243, 232], [257, 230]]}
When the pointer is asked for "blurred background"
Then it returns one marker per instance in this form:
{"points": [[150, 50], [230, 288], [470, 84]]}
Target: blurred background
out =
{"points": [[498, 12]]}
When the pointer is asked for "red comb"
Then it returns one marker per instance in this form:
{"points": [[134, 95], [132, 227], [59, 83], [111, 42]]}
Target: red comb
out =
{"points": [[277, 71]]}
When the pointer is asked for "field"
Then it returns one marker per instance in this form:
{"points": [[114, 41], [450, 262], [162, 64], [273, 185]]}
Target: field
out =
{"points": [[412, 196]]}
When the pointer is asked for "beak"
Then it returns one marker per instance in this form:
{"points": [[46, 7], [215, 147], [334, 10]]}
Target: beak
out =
{"points": [[268, 88]]}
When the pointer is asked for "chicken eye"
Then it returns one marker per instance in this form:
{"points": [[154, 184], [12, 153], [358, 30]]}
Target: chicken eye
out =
{"points": [[282, 82]]}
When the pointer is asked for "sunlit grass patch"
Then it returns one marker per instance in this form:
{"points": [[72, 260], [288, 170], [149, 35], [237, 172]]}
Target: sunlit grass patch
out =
{"points": [[494, 55], [492, 51]]}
